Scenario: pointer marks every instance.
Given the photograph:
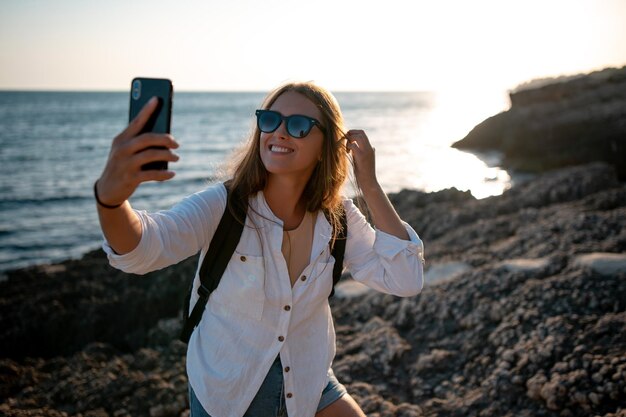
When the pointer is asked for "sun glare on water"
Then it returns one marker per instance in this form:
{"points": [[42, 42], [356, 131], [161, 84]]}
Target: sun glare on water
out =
{"points": [[454, 114], [419, 155]]}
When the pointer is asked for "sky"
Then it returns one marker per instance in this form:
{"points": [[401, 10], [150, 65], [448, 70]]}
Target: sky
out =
{"points": [[345, 45]]}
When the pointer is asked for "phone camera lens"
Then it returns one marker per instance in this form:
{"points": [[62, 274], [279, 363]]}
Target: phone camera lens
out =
{"points": [[136, 89]]}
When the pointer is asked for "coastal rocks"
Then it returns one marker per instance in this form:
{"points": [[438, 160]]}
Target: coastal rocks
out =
{"points": [[510, 335], [501, 342], [100, 380], [445, 271], [604, 263], [582, 379], [56, 311], [532, 325], [433, 361], [373, 405], [379, 346], [350, 289], [560, 124], [471, 222], [525, 265]]}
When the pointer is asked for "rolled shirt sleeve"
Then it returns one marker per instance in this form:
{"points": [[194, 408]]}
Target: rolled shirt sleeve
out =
{"points": [[170, 236], [382, 261]]}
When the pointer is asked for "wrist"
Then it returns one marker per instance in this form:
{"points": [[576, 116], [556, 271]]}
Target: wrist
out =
{"points": [[370, 186], [100, 202]]}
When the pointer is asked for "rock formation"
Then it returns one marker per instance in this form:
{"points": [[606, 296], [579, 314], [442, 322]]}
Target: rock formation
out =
{"points": [[576, 121]]}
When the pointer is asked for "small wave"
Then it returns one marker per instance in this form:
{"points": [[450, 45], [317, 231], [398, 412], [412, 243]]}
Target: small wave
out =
{"points": [[19, 248], [198, 180], [50, 199]]}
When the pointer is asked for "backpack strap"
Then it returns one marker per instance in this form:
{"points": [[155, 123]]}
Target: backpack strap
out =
{"points": [[215, 261], [338, 248]]}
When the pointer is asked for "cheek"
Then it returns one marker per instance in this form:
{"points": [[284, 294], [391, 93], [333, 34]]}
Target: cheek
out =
{"points": [[262, 151], [263, 139], [263, 143]]}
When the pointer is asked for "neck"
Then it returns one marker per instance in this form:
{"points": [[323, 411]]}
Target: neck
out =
{"points": [[284, 197]]}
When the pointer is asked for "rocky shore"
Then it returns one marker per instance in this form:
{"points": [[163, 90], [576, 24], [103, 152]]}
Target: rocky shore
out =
{"points": [[523, 314]]}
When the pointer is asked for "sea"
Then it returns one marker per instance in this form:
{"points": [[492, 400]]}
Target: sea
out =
{"points": [[53, 146]]}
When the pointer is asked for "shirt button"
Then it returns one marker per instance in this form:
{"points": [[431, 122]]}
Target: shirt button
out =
{"points": [[287, 308], [281, 338], [303, 277], [243, 259], [289, 395], [287, 369]]}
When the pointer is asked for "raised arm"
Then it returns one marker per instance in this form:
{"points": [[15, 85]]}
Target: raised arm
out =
{"points": [[122, 175], [384, 216]]}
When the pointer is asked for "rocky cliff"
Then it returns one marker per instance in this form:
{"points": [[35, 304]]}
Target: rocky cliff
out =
{"points": [[563, 123]]}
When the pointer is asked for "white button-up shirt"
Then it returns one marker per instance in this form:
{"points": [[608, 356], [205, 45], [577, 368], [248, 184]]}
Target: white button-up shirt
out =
{"points": [[246, 323]]}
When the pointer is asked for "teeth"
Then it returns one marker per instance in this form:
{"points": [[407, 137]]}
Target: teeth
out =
{"points": [[275, 148]]}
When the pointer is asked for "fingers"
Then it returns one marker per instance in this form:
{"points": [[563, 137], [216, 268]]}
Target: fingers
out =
{"points": [[144, 145], [142, 148], [135, 125], [356, 133], [148, 140], [363, 157], [357, 140], [123, 171], [122, 176], [155, 175], [151, 155]]}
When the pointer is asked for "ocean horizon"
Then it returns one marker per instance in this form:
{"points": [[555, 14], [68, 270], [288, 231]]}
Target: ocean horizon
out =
{"points": [[54, 144]]}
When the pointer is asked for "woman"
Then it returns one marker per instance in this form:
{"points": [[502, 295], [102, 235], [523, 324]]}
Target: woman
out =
{"points": [[266, 341]]}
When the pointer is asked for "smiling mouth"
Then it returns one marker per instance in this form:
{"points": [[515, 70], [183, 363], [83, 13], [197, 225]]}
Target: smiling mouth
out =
{"points": [[280, 149]]}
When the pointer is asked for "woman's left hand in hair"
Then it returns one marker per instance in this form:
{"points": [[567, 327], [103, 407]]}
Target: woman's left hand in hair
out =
{"points": [[383, 214], [363, 155]]}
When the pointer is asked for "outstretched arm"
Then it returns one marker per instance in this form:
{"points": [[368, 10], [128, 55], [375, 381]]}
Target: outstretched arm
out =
{"points": [[122, 175]]}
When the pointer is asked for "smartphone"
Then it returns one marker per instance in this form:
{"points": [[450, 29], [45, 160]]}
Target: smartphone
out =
{"points": [[141, 91]]}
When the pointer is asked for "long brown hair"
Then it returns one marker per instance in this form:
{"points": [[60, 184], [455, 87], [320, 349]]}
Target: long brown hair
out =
{"points": [[323, 190]]}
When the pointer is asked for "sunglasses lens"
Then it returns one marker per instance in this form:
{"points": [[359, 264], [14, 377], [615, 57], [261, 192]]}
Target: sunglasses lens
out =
{"points": [[298, 126], [268, 121]]}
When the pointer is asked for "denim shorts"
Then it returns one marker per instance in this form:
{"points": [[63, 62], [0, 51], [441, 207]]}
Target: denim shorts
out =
{"points": [[269, 400]]}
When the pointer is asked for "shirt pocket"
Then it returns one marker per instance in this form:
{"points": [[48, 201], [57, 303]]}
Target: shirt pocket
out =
{"points": [[241, 289], [312, 297]]}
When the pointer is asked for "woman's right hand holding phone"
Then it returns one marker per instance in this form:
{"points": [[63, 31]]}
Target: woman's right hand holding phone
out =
{"points": [[129, 151], [122, 175]]}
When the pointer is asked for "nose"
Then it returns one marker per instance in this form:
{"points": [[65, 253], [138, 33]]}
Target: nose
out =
{"points": [[281, 130]]}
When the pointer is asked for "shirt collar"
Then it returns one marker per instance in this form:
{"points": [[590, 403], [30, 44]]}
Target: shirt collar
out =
{"points": [[323, 230]]}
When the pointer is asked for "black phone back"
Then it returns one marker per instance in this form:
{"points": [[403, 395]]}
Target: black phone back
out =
{"points": [[141, 91]]}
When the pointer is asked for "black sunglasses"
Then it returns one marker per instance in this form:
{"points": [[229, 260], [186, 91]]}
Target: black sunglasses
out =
{"points": [[298, 126]]}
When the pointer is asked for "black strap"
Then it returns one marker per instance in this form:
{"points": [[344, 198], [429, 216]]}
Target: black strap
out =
{"points": [[338, 249], [215, 261], [223, 246]]}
